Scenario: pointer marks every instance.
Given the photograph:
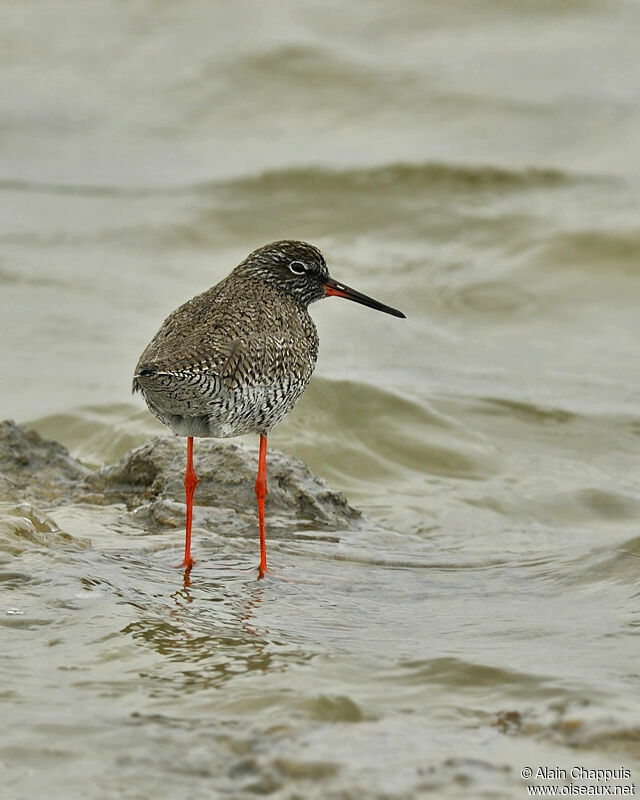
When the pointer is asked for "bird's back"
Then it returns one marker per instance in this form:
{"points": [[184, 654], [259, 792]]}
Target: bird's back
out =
{"points": [[234, 359]]}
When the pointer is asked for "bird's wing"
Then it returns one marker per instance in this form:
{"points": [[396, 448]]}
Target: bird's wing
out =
{"points": [[260, 358], [251, 360], [240, 344]]}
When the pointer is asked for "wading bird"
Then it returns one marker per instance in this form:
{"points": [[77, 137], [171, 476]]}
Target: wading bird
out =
{"points": [[236, 358]]}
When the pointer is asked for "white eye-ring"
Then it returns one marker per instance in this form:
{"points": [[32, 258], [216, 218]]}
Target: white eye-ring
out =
{"points": [[297, 267]]}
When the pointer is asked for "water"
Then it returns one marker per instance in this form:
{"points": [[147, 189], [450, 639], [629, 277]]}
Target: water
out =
{"points": [[476, 165]]}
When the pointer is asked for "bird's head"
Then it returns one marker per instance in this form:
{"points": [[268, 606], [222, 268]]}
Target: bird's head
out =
{"points": [[299, 269]]}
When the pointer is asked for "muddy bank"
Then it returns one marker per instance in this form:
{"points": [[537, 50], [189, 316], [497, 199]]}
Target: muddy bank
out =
{"points": [[148, 483]]}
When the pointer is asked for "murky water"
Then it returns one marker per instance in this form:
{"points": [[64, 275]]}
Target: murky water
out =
{"points": [[478, 166]]}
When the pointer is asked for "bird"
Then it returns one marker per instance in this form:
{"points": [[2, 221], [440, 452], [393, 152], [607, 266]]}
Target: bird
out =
{"points": [[236, 359]]}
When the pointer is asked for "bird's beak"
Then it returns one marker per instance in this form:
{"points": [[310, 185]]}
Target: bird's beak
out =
{"points": [[332, 287]]}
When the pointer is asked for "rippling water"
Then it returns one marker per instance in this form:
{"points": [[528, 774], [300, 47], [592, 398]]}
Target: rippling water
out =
{"points": [[475, 164]]}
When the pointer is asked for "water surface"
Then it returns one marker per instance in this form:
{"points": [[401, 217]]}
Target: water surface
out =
{"points": [[476, 165]]}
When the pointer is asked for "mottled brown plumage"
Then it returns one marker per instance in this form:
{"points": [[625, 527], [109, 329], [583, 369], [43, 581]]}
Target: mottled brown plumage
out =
{"points": [[237, 357]]}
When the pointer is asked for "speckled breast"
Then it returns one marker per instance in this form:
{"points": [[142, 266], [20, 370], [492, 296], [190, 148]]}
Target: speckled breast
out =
{"points": [[199, 405]]}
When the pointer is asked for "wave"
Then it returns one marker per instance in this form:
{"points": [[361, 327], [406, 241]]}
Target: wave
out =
{"points": [[593, 249], [377, 433], [434, 174]]}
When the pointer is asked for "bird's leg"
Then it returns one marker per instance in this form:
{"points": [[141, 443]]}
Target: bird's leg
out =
{"points": [[190, 483], [261, 493]]}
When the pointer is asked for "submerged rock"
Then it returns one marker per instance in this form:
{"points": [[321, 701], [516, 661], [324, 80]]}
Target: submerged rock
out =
{"points": [[148, 480], [34, 468]]}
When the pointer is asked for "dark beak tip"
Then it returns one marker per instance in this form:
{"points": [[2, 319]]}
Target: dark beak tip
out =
{"points": [[332, 287]]}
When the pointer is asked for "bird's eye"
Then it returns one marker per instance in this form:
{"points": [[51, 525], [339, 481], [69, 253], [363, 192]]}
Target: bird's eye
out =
{"points": [[297, 267]]}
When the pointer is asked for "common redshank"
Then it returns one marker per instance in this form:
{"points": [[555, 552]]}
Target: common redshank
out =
{"points": [[236, 358]]}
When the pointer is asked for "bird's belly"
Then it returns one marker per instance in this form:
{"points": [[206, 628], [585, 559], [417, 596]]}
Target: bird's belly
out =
{"points": [[213, 411]]}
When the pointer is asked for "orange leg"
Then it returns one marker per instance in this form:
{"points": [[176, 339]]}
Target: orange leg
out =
{"points": [[261, 493], [190, 483]]}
